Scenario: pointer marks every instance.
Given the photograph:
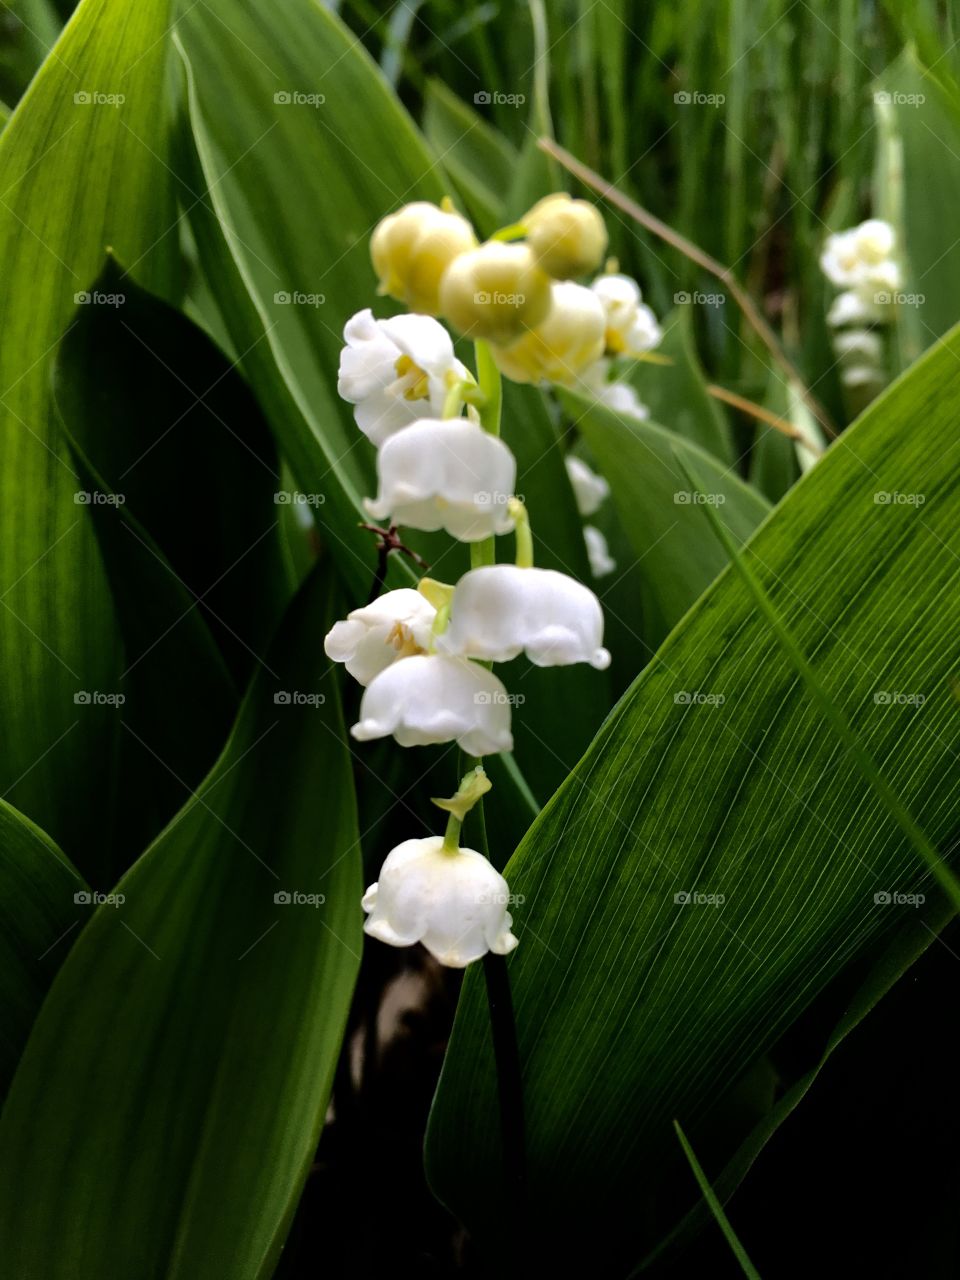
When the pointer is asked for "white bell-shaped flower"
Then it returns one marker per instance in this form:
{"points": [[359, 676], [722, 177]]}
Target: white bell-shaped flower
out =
{"points": [[396, 371], [397, 625], [589, 489], [499, 611], [434, 698], [453, 901], [617, 395], [598, 552], [632, 328], [445, 474]]}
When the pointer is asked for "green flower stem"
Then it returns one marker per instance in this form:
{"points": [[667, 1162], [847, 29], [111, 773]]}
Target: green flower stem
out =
{"points": [[523, 532], [488, 380]]}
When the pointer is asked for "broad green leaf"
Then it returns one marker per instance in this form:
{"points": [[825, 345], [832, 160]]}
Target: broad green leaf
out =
{"points": [[79, 171], [192, 552], [39, 924], [715, 775], [288, 189], [671, 538], [168, 1104], [676, 393]]}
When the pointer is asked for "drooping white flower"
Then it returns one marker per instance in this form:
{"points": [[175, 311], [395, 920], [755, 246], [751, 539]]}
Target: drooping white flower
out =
{"points": [[598, 553], [434, 698], [499, 611], [632, 328], [397, 625], [567, 341], [861, 375], [453, 901], [617, 395], [396, 371], [589, 489], [445, 474]]}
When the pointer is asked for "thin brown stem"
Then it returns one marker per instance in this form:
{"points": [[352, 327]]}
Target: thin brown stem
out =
{"points": [[764, 415], [703, 259]]}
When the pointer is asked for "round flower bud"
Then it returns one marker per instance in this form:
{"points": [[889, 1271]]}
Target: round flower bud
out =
{"points": [[412, 248], [397, 625], [453, 901], [445, 474], [499, 611], [431, 698], [563, 345], [568, 237], [496, 291]]}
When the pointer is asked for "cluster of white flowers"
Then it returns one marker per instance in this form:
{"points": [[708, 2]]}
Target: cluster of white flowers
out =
{"points": [[424, 655], [862, 263]]}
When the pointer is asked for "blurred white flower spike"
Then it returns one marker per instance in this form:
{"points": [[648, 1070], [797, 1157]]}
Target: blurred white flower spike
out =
{"points": [[589, 489], [862, 263], [397, 371]]}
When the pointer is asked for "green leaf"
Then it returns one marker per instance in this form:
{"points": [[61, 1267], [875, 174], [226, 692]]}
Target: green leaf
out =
{"points": [[676, 394], [287, 194], [670, 537], [78, 174], [632, 1005], [192, 553], [38, 924], [167, 1107]]}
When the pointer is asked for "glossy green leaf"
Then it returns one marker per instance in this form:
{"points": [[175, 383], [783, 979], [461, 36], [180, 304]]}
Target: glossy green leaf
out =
{"points": [[167, 1107], [39, 924], [79, 170], [671, 538], [716, 776]]}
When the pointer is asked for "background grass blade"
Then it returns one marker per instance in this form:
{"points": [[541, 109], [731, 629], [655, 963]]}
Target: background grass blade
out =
{"points": [[716, 1208]]}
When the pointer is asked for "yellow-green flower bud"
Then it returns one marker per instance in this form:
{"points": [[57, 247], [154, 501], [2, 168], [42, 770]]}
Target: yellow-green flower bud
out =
{"points": [[568, 237], [412, 248], [564, 345], [496, 292]]}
